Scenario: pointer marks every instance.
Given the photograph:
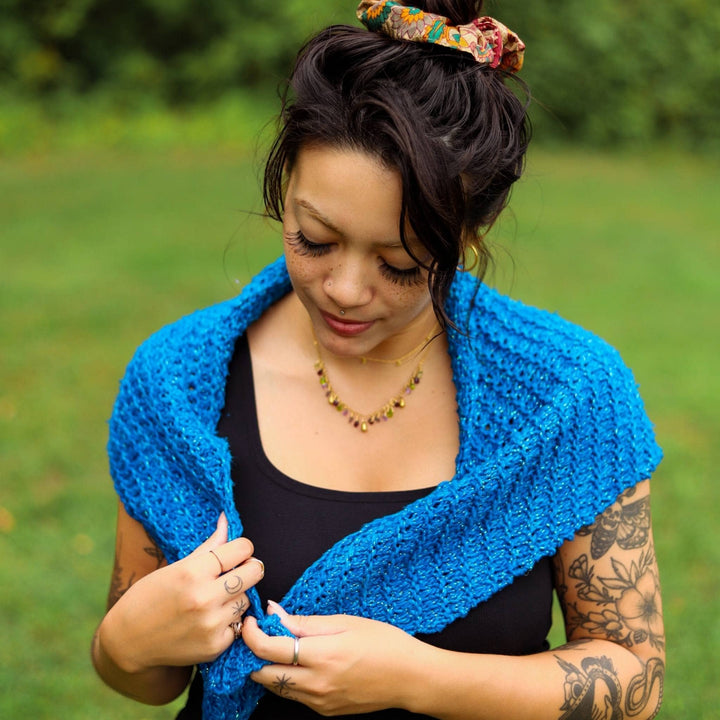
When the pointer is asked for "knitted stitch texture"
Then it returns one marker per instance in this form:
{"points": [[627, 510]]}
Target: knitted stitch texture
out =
{"points": [[552, 430]]}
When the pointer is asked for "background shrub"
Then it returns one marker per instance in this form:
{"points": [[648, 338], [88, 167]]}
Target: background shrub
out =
{"points": [[603, 72]]}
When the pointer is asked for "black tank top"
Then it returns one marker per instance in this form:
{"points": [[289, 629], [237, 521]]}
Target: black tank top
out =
{"points": [[291, 524]]}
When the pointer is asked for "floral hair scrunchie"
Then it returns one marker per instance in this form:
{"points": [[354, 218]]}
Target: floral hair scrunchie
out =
{"points": [[486, 39]]}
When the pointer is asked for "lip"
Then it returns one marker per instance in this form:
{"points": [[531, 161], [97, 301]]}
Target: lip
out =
{"points": [[346, 328]]}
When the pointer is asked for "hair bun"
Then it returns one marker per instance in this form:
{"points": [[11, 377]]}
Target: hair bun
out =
{"points": [[488, 41], [459, 12]]}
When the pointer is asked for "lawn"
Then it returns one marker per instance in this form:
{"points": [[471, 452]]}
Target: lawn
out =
{"points": [[99, 249]]}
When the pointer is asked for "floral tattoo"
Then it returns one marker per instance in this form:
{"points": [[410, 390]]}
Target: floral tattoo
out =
{"points": [[630, 602], [627, 603], [618, 600]]}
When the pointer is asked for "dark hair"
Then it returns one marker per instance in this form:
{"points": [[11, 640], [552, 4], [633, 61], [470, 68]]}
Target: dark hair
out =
{"points": [[450, 126]]}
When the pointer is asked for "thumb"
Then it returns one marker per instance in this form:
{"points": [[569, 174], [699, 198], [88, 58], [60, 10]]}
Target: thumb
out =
{"points": [[307, 625], [218, 538]]}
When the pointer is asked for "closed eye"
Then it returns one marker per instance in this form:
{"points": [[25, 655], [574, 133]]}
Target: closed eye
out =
{"points": [[299, 242], [400, 276], [404, 277]]}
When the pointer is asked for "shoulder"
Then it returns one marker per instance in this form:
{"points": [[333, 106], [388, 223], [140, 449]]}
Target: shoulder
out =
{"points": [[162, 428], [169, 347], [208, 334], [519, 367], [541, 348], [182, 367]]}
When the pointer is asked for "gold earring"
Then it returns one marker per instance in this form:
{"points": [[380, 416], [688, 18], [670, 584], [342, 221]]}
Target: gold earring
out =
{"points": [[475, 261]]}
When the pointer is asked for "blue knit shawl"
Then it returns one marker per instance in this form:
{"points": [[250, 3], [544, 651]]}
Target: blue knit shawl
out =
{"points": [[552, 430]]}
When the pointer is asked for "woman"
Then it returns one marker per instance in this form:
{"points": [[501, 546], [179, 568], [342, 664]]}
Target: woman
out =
{"points": [[417, 460]]}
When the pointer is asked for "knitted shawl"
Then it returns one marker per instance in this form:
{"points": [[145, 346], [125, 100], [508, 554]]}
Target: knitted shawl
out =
{"points": [[552, 430]]}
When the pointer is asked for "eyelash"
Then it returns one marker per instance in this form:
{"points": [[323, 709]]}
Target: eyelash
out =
{"points": [[303, 246]]}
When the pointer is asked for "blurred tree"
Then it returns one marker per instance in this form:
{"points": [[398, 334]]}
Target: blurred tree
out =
{"points": [[604, 72], [182, 51], [621, 70]]}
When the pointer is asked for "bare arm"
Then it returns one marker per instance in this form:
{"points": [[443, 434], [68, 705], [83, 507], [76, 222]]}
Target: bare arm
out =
{"points": [[609, 588], [164, 619], [611, 668], [613, 665]]}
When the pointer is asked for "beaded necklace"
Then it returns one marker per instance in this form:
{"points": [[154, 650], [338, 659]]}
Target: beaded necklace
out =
{"points": [[363, 421]]}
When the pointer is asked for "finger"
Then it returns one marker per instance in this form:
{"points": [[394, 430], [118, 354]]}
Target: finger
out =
{"points": [[218, 537], [307, 625], [283, 681], [226, 557], [236, 628], [279, 650], [242, 577], [237, 607], [235, 552]]}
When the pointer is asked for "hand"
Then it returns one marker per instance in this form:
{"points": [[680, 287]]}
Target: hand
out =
{"points": [[345, 664], [187, 612]]}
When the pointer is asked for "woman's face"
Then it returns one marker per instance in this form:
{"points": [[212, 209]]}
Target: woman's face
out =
{"points": [[342, 243]]}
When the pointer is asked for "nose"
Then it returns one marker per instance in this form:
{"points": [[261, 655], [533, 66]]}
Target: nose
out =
{"points": [[347, 284]]}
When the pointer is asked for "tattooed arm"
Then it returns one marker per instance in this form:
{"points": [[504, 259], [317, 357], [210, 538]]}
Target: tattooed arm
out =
{"points": [[164, 619], [608, 586], [611, 668], [136, 555]]}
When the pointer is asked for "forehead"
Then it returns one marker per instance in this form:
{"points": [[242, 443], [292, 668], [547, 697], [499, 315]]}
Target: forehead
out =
{"points": [[349, 188]]}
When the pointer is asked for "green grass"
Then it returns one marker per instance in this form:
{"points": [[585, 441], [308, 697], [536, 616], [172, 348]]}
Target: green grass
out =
{"points": [[98, 250]]}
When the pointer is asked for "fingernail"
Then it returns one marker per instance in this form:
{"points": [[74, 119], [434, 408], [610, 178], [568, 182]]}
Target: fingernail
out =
{"points": [[261, 563], [275, 609]]}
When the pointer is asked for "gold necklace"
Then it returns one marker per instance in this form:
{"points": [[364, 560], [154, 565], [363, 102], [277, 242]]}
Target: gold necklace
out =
{"points": [[357, 419], [364, 359]]}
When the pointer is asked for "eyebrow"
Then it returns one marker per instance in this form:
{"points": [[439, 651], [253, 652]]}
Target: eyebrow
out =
{"points": [[315, 213], [319, 216]]}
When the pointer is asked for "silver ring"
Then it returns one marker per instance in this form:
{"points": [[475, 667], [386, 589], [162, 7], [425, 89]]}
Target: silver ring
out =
{"points": [[296, 650], [236, 627]]}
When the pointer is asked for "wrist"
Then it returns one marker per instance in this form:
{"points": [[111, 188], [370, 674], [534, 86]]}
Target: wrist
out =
{"points": [[419, 680], [154, 686], [113, 646]]}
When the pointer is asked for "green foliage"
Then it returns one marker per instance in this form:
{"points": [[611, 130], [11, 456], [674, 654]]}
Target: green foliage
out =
{"points": [[628, 71], [607, 72], [180, 51], [235, 121]]}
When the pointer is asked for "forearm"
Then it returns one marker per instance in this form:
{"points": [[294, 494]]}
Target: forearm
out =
{"points": [[153, 686], [565, 683]]}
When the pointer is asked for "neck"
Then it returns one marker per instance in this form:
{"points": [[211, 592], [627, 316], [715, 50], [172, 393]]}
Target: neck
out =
{"points": [[403, 347], [411, 354]]}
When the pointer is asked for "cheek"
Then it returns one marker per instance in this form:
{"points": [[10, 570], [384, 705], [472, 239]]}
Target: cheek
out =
{"points": [[410, 301], [306, 275], [301, 269]]}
